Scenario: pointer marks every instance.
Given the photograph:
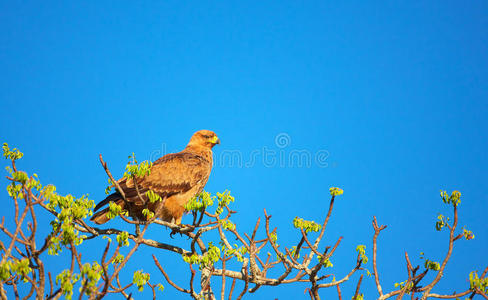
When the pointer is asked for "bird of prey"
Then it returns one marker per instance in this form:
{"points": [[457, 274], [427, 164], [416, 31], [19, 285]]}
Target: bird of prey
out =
{"points": [[175, 177]]}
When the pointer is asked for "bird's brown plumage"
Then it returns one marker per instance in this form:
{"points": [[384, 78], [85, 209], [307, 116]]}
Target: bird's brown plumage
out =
{"points": [[176, 177]]}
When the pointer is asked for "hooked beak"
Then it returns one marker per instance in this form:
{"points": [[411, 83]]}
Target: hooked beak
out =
{"points": [[215, 140]]}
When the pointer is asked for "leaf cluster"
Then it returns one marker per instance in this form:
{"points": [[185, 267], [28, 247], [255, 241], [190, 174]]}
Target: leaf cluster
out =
{"points": [[135, 170], [308, 226], [211, 256], [140, 279], [454, 198]]}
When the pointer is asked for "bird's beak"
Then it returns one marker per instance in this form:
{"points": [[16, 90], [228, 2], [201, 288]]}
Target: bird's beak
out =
{"points": [[215, 140]]}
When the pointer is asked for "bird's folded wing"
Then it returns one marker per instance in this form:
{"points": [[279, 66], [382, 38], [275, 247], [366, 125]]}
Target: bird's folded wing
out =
{"points": [[171, 174]]}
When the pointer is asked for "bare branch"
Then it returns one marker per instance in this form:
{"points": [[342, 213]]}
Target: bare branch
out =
{"points": [[377, 231]]}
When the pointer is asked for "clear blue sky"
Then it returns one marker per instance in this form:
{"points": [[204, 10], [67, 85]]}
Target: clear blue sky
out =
{"points": [[395, 93]]}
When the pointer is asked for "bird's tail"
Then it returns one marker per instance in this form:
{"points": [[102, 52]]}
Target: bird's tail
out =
{"points": [[101, 216]]}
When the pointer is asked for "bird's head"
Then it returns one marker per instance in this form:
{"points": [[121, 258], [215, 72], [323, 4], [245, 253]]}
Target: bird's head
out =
{"points": [[204, 138]]}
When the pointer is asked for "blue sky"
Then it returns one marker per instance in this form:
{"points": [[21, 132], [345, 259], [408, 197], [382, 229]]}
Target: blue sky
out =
{"points": [[394, 94]]}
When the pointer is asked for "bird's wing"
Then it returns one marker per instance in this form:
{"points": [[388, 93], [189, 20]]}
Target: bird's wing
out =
{"points": [[171, 174]]}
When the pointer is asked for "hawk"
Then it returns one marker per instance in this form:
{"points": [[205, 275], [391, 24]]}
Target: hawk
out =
{"points": [[175, 177]]}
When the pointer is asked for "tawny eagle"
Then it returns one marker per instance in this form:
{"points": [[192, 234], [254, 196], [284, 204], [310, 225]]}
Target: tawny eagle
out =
{"points": [[176, 177]]}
